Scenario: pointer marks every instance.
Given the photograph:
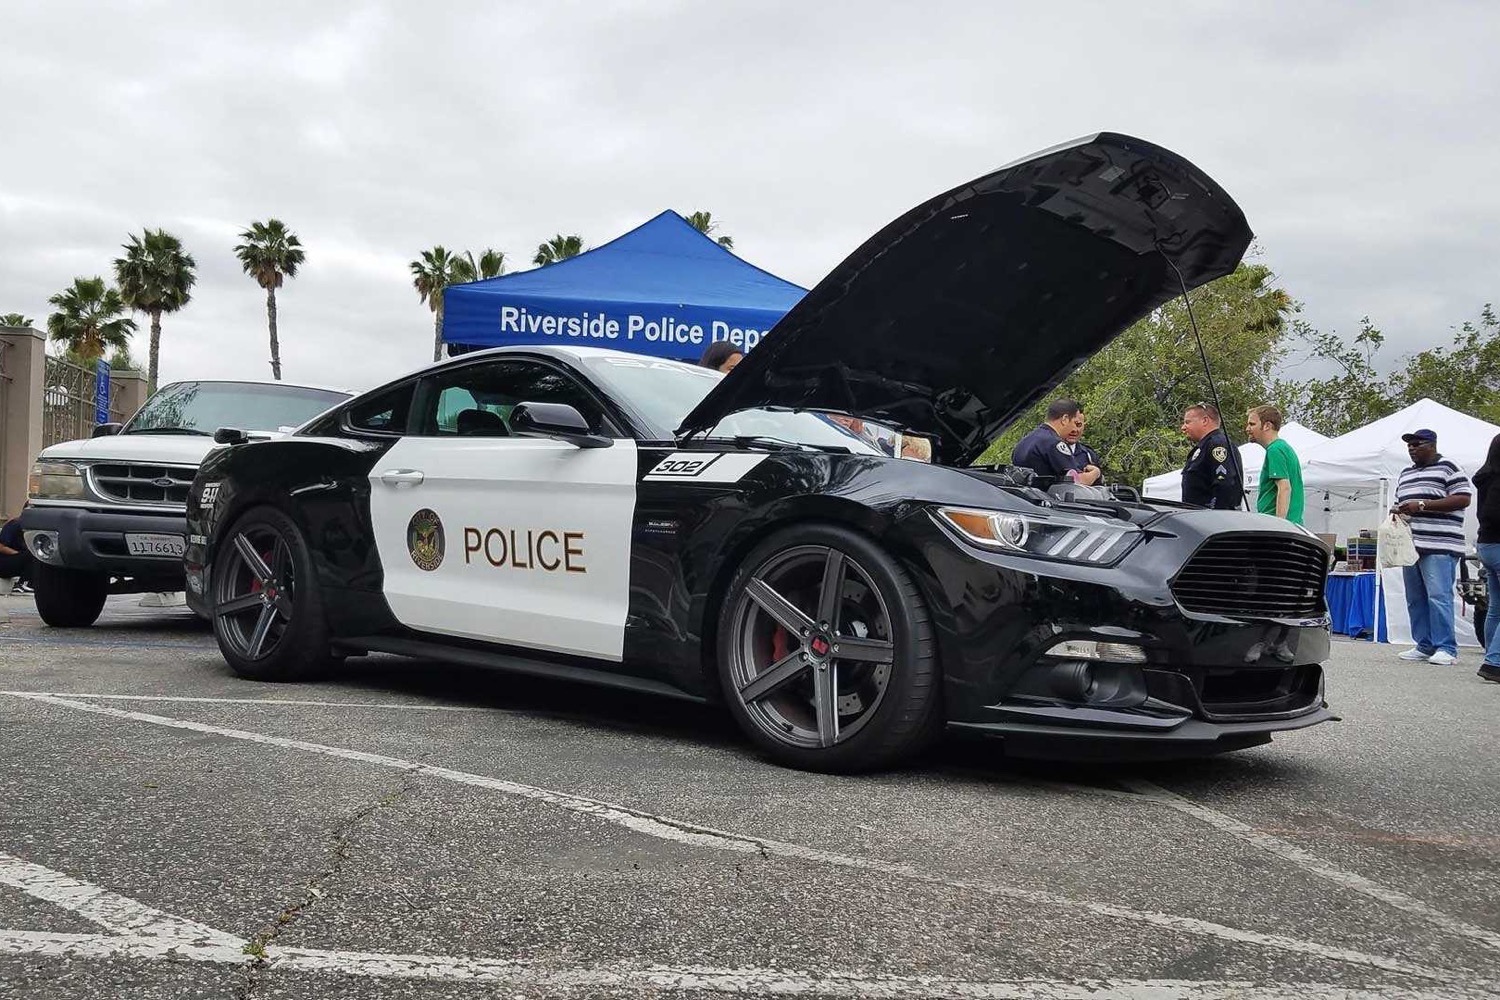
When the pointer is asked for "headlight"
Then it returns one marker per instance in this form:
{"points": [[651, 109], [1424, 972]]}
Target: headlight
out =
{"points": [[1071, 538], [51, 480]]}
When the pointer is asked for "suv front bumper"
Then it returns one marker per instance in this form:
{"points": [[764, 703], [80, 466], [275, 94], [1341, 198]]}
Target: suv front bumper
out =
{"points": [[95, 541]]}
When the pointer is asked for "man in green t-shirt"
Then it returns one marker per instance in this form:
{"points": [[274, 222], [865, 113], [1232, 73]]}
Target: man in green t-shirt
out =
{"points": [[1281, 473]]}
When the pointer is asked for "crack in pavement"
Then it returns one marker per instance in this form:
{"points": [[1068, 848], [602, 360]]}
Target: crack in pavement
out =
{"points": [[341, 836]]}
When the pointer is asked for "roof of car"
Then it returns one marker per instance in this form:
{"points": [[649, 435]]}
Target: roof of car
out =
{"points": [[265, 381]]}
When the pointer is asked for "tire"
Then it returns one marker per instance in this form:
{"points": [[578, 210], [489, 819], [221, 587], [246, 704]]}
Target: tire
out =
{"points": [[268, 617], [68, 598], [780, 683]]}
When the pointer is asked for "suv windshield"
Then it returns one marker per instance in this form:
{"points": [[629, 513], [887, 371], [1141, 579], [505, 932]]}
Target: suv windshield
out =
{"points": [[204, 407], [665, 392]]}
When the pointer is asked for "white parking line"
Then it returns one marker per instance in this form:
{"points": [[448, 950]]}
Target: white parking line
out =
{"points": [[141, 932], [405, 706], [699, 836], [1311, 863]]}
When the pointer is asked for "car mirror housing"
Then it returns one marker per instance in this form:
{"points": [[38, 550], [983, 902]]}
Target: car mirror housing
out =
{"points": [[230, 435], [105, 430], [555, 420]]}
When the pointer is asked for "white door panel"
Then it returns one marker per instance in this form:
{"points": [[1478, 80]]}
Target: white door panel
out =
{"points": [[527, 539]]}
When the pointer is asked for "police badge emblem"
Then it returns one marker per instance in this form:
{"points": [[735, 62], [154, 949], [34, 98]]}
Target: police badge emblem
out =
{"points": [[1221, 453], [424, 539], [1194, 456], [1062, 446]]}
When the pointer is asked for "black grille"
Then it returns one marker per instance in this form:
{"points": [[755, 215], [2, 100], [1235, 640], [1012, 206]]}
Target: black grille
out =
{"points": [[1254, 576], [162, 484]]}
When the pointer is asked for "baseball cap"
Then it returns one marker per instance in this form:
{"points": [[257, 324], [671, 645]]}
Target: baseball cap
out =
{"points": [[1420, 435]]}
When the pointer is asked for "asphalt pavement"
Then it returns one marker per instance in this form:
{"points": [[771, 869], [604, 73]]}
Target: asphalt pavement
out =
{"points": [[414, 829]]}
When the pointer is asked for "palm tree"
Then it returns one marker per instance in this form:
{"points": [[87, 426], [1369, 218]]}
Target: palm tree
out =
{"points": [[558, 248], [155, 276], [430, 276], [491, 264], [89, 319], [271, 253], [705, 224], [15, 319]]}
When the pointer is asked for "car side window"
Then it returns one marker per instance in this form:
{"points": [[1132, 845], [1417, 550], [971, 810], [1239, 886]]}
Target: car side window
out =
{"points": [[383, 414], [476, 400]]}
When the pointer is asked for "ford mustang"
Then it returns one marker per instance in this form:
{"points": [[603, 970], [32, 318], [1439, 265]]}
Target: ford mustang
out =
{"points": [[805, 540]]}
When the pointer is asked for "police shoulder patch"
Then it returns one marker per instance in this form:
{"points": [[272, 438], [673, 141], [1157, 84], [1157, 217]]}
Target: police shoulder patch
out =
{"points": [[1062, 446], [1221, 453]]}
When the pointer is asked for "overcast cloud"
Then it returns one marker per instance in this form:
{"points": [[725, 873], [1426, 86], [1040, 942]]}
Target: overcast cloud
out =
{"points": [[1360, 140]]}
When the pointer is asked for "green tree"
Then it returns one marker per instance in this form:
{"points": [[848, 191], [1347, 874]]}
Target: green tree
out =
{"points": [[89, 319], [431, 276], [558, 248], [15, 319], [1352, 396], [705, 224], [491, 264], [270, 254], [1135, 389], [155, 276], [1464, 375]]}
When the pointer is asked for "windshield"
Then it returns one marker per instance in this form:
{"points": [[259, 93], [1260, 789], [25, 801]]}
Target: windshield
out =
{"points": [[665, 392], [204, 407]]}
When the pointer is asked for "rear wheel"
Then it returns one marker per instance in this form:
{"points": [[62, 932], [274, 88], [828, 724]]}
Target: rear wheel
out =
{"points": [[68, 598], [826, 654], [267, 608]]}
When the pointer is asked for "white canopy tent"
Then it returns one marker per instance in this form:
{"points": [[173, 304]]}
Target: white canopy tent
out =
{"points": [[1353, 478], [1168, 485]]}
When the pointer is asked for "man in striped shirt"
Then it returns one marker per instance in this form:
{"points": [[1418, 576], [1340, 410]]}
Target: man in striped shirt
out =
{"points": [[1432, 492]]}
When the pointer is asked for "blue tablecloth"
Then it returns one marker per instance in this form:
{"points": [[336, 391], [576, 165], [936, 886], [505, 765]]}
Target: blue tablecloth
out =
{"points": [[1351, 604]]}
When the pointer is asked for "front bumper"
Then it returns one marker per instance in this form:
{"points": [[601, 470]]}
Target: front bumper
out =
{"points": [[94, 541]]}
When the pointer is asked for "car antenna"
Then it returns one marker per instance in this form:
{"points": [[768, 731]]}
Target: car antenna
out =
{"points": [[1234, 452]]}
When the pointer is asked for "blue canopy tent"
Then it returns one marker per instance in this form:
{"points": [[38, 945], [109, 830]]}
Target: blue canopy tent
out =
{"points": [[662, 289]]}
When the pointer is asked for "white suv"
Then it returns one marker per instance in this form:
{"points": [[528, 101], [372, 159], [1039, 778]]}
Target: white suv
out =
{"points": [[108, 515]]}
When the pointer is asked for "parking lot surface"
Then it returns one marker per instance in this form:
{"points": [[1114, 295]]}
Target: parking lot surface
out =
{"points": [[413, 829]]}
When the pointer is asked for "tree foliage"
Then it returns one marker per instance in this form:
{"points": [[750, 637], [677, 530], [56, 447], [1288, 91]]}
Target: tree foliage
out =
{"points": [[90, 319], [705, 224], [1134, 391], [270, 254], [16, 319], [156, 275], [558, 248]]}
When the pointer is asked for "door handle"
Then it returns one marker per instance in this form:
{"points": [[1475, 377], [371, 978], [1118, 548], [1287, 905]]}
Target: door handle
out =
{"points": [[401, 478]]}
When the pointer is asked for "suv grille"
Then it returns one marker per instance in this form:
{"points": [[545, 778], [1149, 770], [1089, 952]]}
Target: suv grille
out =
{"points": [[1254, 576], [164, 484]]}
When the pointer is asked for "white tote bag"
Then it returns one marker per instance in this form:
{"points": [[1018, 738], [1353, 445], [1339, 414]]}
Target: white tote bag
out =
{"points": [[1395, 543]]}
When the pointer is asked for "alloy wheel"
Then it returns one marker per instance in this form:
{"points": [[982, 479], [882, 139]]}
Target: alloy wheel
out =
{"points": [[812, 647], [254, 590]]}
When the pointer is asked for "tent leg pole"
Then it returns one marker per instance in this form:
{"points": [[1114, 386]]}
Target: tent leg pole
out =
{"points": [[1379, 573]]}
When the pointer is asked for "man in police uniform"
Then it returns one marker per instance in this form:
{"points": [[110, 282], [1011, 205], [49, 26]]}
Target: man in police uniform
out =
{"points": [[1052, 450], [1211, 477]]}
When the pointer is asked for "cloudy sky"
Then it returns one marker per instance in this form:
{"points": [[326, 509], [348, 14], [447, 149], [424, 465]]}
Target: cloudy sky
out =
{"points": [[1360, 139]]}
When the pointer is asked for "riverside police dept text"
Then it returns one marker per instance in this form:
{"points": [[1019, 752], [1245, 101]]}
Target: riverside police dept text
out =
{"points": [[602, 326]]}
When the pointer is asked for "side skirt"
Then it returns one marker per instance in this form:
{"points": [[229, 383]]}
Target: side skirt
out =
{"points": [[509, 662]]}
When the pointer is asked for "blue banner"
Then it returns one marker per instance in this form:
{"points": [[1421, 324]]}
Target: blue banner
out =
{"points": [[101, 392]]}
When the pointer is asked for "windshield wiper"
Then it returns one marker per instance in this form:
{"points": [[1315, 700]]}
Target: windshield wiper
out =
{"points": [[170, 430]]}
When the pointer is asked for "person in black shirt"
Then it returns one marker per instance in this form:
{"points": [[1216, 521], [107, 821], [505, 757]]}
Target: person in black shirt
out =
{"points": [[1488, 512], [1211, 477], [1053, 451], [15, 559]]}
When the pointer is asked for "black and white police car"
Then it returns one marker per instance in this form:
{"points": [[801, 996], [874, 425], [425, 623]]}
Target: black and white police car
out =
{"points": [[590, 514]]}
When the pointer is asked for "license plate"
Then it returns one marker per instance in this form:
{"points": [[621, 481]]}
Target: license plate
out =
{"points": [[155, 545]]}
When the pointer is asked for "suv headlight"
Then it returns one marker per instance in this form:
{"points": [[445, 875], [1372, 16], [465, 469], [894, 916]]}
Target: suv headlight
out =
{"points": [[1070, 538], [53, 480]]}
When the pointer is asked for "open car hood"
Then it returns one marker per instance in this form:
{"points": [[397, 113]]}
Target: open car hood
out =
{"points": [[960, 314]]}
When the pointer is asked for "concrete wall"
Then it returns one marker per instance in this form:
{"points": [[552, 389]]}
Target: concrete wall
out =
{"points": [[20, 412]]}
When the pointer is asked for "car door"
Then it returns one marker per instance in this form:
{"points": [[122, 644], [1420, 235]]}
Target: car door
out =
{"points": [[516, 540]]}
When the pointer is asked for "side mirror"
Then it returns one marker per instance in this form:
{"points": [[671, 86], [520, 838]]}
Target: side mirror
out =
{"points": [[105, 430], [555, 420], [230, 435]]}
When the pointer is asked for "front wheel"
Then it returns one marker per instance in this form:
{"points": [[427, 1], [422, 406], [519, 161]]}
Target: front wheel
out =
{"points": [[68, 598], [826, 652], [267, 608]]}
